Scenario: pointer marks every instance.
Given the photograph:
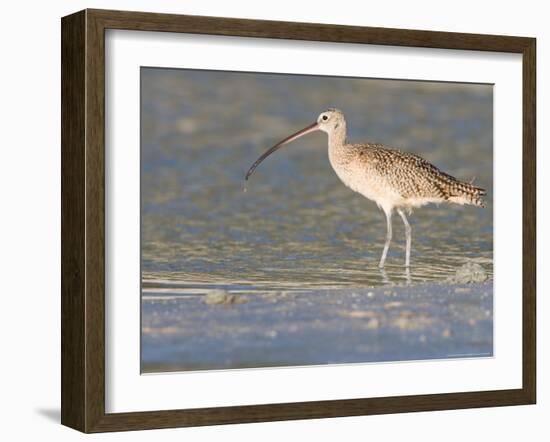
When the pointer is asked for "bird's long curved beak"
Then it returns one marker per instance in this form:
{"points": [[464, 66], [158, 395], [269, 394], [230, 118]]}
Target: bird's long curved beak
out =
{"points": [[306, 130]]}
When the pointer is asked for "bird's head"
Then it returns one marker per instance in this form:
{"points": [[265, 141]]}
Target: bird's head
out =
{"points": [[331, 121]]}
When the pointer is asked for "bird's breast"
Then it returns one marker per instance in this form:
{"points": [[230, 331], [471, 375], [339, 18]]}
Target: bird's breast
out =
{"points": [[357, 175]]}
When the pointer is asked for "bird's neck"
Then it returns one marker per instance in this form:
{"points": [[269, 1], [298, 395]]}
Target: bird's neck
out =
{"points": [[337, 137]]}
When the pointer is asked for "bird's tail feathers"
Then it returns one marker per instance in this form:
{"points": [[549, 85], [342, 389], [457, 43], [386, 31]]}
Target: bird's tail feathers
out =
{"points": [[466, 193]]}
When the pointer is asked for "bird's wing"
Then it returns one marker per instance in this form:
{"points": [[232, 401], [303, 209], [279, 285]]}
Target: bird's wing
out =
{"points": [[412, 177]]}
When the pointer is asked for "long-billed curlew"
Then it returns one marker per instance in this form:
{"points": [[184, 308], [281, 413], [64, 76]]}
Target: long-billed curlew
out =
{"points": [[389, 177]]}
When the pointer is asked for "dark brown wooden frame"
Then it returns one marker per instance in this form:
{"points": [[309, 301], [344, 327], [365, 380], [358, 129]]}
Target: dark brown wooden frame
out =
{"points": [[83, 220]]}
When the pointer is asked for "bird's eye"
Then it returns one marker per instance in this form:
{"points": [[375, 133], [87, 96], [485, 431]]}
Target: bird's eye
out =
{"points": [[325, 117]]}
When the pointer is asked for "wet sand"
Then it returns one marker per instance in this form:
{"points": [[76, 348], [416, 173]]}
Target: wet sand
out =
{"points": [[212, 328]]}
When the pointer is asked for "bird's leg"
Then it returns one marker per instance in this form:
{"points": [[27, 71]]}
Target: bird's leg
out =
{"points": [[408, 235], [388, 239]]}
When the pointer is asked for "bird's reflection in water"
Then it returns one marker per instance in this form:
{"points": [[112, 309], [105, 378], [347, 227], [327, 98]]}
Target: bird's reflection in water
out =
{"points": [[384, 274], [408, 278], [387, 281]]}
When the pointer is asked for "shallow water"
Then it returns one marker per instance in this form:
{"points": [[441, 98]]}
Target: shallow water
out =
{"points": [[297, 226]]}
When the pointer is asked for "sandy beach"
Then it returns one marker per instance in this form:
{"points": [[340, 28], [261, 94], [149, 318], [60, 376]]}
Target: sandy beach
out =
{"points": [[209, 328]]}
